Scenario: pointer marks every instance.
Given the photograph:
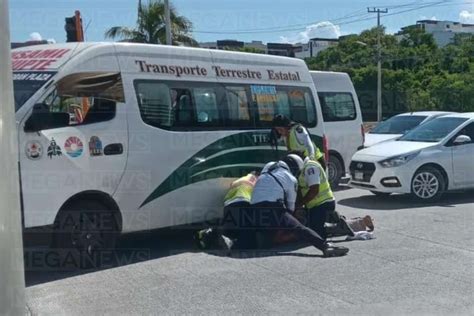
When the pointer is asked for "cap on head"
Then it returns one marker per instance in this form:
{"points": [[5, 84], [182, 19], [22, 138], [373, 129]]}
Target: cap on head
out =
{"points": [[295, 163], [281, 120]]}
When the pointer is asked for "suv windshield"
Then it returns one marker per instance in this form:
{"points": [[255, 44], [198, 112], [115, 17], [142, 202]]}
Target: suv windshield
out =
{"points": [[398, 124], [433, 131], [25, 84]]}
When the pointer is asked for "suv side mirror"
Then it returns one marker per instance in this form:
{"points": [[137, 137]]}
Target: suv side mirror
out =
{"points": [[461, 140], [42, 119]]}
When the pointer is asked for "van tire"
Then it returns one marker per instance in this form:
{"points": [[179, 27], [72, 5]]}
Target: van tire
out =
{"points": [[84, 232], [335, 171]]}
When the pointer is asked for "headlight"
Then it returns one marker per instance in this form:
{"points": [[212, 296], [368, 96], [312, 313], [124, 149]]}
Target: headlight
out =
{"points": [[398, 160]]}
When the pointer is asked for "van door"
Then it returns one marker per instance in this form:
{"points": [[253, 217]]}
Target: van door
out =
{"points": [[74, 140]]}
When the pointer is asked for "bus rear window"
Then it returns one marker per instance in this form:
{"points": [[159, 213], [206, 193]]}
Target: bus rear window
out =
{"points": [[25, 84], [178, 105]]}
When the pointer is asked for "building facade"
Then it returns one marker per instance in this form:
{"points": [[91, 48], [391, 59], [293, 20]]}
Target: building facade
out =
{"points": [[443, 31], [315, 46]]}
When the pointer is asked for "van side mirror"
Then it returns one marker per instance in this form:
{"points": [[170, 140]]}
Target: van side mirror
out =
{"points": [[461, 140], [42, 119]]}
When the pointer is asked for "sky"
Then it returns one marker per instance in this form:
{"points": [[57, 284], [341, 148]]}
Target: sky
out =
{"points": [[265, 20]]}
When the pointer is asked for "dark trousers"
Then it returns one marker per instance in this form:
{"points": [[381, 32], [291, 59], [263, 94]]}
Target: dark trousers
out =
{"points": [[233, 223], [317, 217], [272, 216]]}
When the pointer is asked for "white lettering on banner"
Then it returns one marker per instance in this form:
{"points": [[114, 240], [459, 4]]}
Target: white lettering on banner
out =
{"points": [[39, 59], [219, 71]]}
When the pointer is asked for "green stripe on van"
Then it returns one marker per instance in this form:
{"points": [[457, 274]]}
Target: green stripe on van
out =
{"points": [[230, 157]]}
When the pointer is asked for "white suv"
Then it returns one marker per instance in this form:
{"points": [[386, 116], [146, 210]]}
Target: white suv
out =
{"points": [[430, 159]]}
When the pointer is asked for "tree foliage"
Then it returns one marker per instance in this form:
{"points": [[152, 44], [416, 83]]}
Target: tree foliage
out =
{"points": [[151, 29], [417, 74]]}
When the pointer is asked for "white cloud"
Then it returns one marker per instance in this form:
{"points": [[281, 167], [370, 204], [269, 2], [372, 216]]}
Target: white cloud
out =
{"points": [[35, 36], [322, 29], [466, 16]]}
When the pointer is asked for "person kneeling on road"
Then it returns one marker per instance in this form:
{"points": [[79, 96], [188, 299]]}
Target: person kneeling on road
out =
{"points": [[236, 203], [318, 198], [273, 201]]}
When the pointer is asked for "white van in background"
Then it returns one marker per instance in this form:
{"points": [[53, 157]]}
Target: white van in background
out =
{"points": [[342, 120], [131, 137]]}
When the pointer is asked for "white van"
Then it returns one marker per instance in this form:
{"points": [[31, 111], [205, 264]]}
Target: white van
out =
{"points": [[117, 137], [342, 120]]}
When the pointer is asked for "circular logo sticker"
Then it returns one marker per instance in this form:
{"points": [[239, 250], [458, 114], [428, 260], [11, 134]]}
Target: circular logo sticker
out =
{"points": [[73, 147], [34, 150]]}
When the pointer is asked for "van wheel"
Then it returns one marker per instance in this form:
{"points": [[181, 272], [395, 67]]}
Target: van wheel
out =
{"points": [[334, 171], [84, 233], [428, 184]]}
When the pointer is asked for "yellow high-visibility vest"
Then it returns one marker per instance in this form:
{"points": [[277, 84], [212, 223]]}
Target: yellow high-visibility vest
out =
{"points": [[241, 189], [325, 193], [295, 145]]}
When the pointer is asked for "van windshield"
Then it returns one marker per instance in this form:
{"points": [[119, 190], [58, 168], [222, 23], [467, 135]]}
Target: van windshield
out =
{"points": [[25, 84]]}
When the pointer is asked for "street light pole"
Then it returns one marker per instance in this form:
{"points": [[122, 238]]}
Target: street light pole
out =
{"points": [[379, 62], [168, 23], [12, 289]]}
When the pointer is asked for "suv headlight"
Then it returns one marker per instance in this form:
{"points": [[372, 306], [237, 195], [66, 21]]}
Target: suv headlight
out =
{"points": [[398, 160]]}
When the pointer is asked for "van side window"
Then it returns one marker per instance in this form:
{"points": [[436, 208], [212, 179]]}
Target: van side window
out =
{"points": [[179, 105], [206, 106], [237, 110], [81, 110], [155, 103], [293, 102], [337, 106]]}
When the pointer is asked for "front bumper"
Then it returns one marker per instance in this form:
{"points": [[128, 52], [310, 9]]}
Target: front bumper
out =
{"points": [[372, 176]]}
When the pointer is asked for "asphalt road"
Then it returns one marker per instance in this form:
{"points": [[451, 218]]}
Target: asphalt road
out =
{"points": [[420, 262]]}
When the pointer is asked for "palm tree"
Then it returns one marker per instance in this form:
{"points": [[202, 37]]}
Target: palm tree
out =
{"points": [[151, 26]]}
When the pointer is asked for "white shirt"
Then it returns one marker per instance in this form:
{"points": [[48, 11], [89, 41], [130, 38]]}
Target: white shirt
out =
{"points": [[312, 175], [304, 138], [267, 188]]}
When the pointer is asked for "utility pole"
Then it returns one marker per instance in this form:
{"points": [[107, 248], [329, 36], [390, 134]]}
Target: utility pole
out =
{"points": [[379, 61], [12, 290], [168, 23]]}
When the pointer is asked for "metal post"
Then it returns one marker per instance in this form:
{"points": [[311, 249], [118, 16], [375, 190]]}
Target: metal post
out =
{"points": [[168, 23], [12, 289], [379, 62]]}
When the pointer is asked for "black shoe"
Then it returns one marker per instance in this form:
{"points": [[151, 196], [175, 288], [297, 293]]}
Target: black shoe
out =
{"points": [[204, 238], [333, 251]]}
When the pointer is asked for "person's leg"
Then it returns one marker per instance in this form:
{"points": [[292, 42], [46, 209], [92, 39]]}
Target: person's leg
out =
{"points": [[317, 217], [289, 222], [233, 221], [279, 218]]}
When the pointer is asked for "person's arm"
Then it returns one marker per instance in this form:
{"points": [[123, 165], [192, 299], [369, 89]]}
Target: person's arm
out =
{"points": [[312, 193], [305, 139], [291, 194], [313, 179]]}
